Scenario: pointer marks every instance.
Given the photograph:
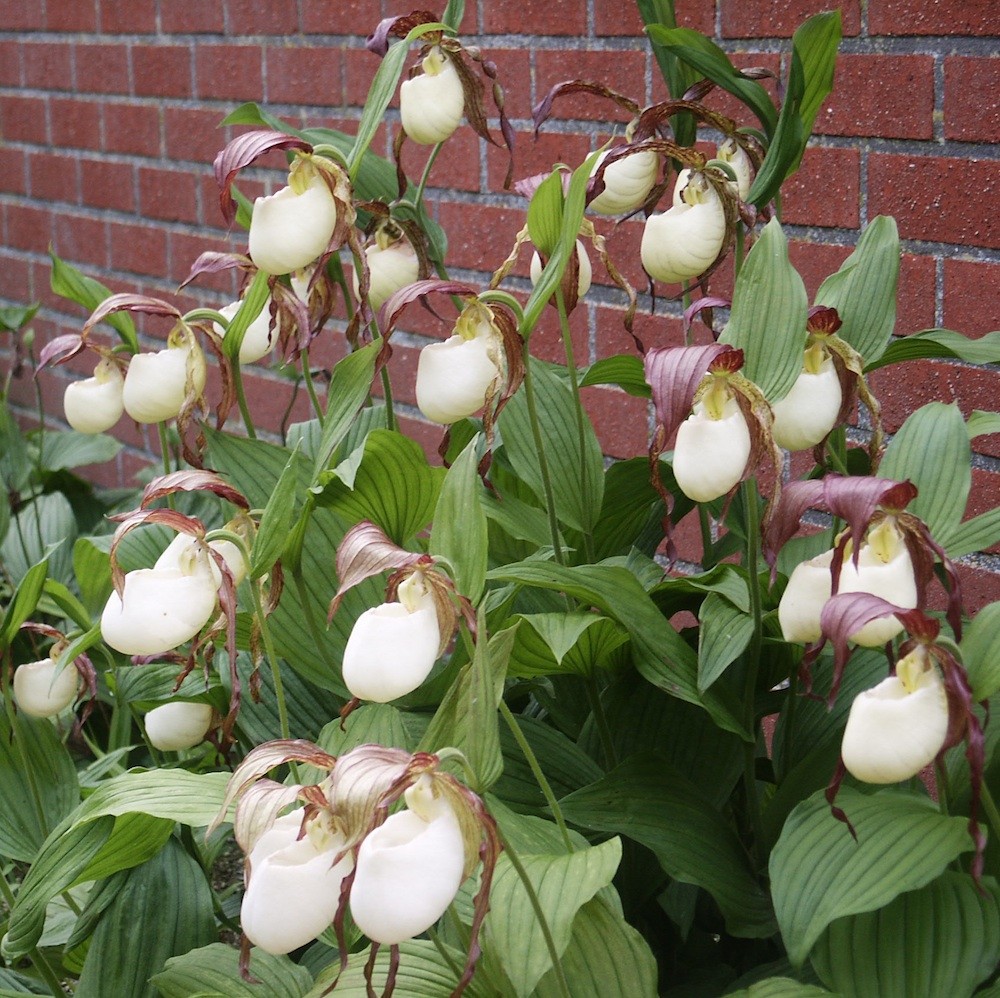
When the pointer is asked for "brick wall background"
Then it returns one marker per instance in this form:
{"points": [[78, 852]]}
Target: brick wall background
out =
{"points": [[109, 112]]}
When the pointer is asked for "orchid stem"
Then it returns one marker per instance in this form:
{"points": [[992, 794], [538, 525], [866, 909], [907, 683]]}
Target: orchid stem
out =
{"points": [[241, 399], [390, 416], [990, 807], [272, 658], [601, 720], [164, 447], [425, 176], [738, 255], [536, 771], [310, 387], [543, 464]]}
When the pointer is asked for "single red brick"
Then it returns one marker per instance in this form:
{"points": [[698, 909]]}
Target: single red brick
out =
{"points": [[229, 72], [170, 195], [10, 64], [16, 278], [780, 18], [13, 171], [971, 296], [979, 587], [945, 17], [360, 67], [67, 17], [619, 420], [621, 71], [532, 156], [815, 262], [80, 239], [23, 17], [477, 238], [343, 17], [826, 189], [456, 169], [569, 17], [75, 123], [890, 96], [47, 65], [22, 119], [262, 17], [182, 17], [619, 20], [513, 72], [101, 69], [303, 75], [105, 184], [138, 249], [161, 70], [935, 198], [193, 134], [132, 128], [123, 17], [972, 99], [27, 227], [53, 177]]}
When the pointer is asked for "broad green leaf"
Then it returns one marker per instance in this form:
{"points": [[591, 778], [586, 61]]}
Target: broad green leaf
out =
{"points": [[253, 302], [453, 14], [659, 652], [92, 569], [22, 606], [165, 929], [606, 958], [632, 511], [545, 211], [779, 987], [275, 522], [135, 839], [816, 40], [723, 580], [647, 800], [67, 282], [518, 519], [981, 652], [677, 75], [252, 466], [45, 527], [577, 487], [819, 873], [527, 833], [724, 635], [580, 643], [459, 532], [932, 450], [977, 534], [863, 291], [563, 884], [214, 970], [943, 939], [623, 370], [704, 56], [369, 724], [768, 320], [147, 684], [70, 449], [189, 798], [349, 386], [980, 423], [393, 486], [942, 343]]}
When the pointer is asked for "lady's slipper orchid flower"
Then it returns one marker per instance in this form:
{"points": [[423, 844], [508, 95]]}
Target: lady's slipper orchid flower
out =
{"points": [[172, 727], [409, 868], [807, 414], [393, 647], [161, 608], [432, 103], [293, 884], [259, 336], [392, 265], [95, 404], [809, 587], [457, 377], [585, 270], [627, 183], [43, 690], [897, 728], [731, 152], [184, 544], [684, 241], [157, 384]]}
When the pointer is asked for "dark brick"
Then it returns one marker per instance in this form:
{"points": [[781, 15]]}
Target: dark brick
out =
{"points": [[47, 65], [124, 17], [621, 71], [972, 99], [105, 184], [170, 195], [304, 75], [183, 18], [780, 18], [132, 128], [75, 123], [826, 189], [161, 70], [943, 17], [53, 177], [261, 17], [972, 297], [101, 69], [229, 72], [568, 17], [23, 119]]}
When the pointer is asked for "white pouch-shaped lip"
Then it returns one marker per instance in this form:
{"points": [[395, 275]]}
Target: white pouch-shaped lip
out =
{"points": [[627, 183], [454, 377], [431, 104], [809, 587], [156, 383], [40, 692], [809, 411], [95, 404], [293, 890], [389, 270], [258, 338], [172, 727], [174, 552], [585, 271], [288, 231], [710, 455]]}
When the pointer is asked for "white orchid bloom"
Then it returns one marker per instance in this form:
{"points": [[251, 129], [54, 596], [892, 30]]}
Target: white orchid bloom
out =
{"points": [[897, 728], [585, 271], [176, 550], [455, 377], [393, 647], [258, 338], [409, 868], [172, 727], [95, 404], [809, 411], [390, 268], [684, 241], [731, 152], [293, 887], [627, 183], [431, 104], [292, 227], [809, 587], [157, 383], [42, 692], [161, 608]]}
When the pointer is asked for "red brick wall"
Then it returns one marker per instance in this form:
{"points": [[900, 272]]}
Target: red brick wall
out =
{"points": [[109, 108]]}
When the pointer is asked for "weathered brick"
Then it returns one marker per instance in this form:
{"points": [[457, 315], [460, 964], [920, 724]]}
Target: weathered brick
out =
{"points": [[971, 297], [780, 18], [170, 195], [619, 421], [10, 64], [80, 239], [161, 70], [942, 17], [360, 67], [138, 249], [23, 16], [457, 168], [75, 123], [568, 17], [826, 189], [624, 19], [16, 278], [101, 69], [972, 99], [477, 237], [182, 18], [532, 156], [53, 177], [621, 71], [26, 227], [229, 72], [344, 17], [132, 128], [23, 119], [123, 17], [80, 17], [106, 184], [304, 75], [13, 173], [932, 198], [261, 17], [193, 134]]}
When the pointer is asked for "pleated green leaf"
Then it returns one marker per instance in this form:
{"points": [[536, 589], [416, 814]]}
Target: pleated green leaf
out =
{"points": [[816, 40], [768, 319], [214, 970], [819, 873], [42, 528], [578, 643], [253, 466], [940, 343], [577, 490], [980, 422], [647, 800], [863, 291], [190, 798], [157, 681], [92, 568], [624, 370], [943, 939], [22, 606], [275, 521], [976, 534], [70, 449], [563, 884], [981, 652], [724, 635], [779, 987]]}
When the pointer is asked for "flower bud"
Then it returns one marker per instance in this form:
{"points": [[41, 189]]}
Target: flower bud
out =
{"points": [[684, 241], [585, 270], [293, 887], [292, 227], [95, 404], [731, 152], [627, 183], [809, 587], [174, 554], [258, 338], [455, 377], [393, 647], [897, 728], [160, 608], [41, 692], [431, 104], [409, 868], [712, 447], [809, 411], [390, 268], [172, 727], [157, 383]]}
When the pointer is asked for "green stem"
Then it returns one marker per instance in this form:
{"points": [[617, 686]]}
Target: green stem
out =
{"points": [[536, 907], [943, 788], [37, 957], [990, 807], [601, 720], [310, 387], [426, 175], [164, 447], [272, 659], [738, 255], [536, 771], [706, 536], [543, 464], [581, 426], [241, 399], [390, 416]]}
